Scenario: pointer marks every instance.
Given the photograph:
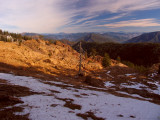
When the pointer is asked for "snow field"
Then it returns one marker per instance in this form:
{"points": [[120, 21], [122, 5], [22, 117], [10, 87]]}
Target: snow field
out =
{"points": [[46, 105]]}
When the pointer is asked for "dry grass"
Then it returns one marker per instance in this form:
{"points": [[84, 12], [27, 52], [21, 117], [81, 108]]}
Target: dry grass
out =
{"points": [[50, 59]]}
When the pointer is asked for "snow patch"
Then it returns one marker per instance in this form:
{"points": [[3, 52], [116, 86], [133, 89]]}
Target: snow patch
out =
{"points": [[109, 74], [130, 74], [136, 86], [109, 84], [46, 104]]}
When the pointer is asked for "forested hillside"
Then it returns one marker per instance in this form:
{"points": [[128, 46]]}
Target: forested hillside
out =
{"points": [[145, 54]]}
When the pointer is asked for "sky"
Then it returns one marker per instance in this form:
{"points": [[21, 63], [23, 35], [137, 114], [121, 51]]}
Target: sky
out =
{"points": [[71, 16]]}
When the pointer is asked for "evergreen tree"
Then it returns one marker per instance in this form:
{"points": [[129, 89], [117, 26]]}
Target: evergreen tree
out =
{"points": [[3, 38], [93, 52], [106, 60], [20, 42], [1, 31], [5, 33], [86, 56], [118, 59]]}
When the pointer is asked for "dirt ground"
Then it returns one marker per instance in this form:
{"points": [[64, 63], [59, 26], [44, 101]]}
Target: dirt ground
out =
{"points": [[95, 80], [8, 97]]}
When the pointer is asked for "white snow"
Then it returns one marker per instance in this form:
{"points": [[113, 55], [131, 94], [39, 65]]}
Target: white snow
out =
{"points": [[109, 84], [136, 86], [134, 95], [130, 74], [153, 74], [46, 106], [140, 86], [109, 74], [157, 91]]}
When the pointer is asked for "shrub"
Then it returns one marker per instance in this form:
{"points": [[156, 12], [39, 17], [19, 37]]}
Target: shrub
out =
{"points": [[20, 42], [106, 60], [93, 52], [139, 68], [129, 64], [118, 59]]}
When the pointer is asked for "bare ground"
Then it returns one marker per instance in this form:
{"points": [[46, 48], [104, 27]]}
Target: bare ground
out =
{"points": [[9, 97]]}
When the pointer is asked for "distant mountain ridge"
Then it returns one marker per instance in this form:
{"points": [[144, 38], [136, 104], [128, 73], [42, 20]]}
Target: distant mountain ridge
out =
{"points": [[68, 36], [88, 36], [152, 37], [120, 36], [93, 37]]}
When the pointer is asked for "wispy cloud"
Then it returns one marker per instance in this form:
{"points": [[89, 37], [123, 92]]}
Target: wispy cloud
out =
{"points": [[123, 5], [50, 15], [133, 23], [34, 16], [116, 17]]}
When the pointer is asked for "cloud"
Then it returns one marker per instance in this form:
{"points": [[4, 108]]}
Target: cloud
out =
{"points": [[51, 15], [34, 16], [132, 23], [119, 9], [116, 17], [115, 6]]}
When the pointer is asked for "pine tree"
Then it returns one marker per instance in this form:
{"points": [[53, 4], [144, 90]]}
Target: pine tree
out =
{"points": [[3, 38], [93, 52], [5, 33], [118, 59], [1, 31], [106, 60]]}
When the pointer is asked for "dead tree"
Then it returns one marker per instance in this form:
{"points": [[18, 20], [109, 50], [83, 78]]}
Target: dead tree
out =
{"points": [[80, 59]]}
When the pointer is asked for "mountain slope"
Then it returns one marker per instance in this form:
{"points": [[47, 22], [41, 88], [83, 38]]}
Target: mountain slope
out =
{"points": [[68, 36], [97, 38], [120, 36], [116, 36], [42, 55], [153, 37]]}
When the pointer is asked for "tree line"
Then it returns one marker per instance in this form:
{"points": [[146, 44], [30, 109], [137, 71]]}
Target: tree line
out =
{"points": [[145, 54], [14, 36]]}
